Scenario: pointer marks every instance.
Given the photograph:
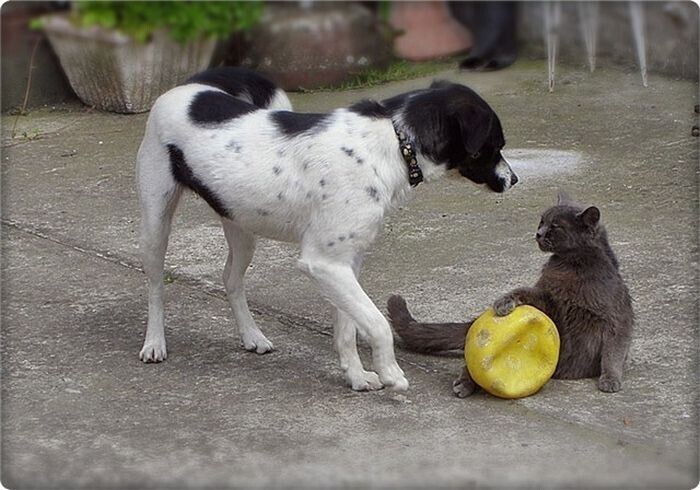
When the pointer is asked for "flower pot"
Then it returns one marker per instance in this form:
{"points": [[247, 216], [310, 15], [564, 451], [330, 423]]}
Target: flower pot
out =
{"points": [[113, 72], [429, 31]]}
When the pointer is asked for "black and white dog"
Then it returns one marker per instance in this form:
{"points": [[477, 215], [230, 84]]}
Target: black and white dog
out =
{"points": [[325, 181]]}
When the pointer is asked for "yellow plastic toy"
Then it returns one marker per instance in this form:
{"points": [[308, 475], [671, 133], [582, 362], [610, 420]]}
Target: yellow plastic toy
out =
{"points": [[512, 356]]}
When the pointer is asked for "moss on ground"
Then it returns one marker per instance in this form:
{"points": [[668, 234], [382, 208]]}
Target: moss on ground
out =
{"points": [[397, 70]]}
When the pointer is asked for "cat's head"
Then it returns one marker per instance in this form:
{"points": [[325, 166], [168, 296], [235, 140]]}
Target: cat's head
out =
{"points": [[567, 227]]}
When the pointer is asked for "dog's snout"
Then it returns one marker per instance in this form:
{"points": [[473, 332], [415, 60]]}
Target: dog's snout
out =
{"points": [[513, 179]]}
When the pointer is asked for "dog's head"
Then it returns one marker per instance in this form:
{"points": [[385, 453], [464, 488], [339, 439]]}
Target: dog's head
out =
{"points": [[455, 127]]}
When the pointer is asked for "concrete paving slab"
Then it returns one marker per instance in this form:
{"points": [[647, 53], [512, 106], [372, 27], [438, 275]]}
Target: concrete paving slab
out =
{"points": [[74, 308], [80, 409]]}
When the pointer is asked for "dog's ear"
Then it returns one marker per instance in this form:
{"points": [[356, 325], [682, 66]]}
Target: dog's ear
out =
{"points": [[475, 124], [441, 84], [590, 216]]}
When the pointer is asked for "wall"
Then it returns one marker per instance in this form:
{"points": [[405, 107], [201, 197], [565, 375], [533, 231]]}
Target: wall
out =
{"points": [[49, 84], [671, 29], [671, 35]]}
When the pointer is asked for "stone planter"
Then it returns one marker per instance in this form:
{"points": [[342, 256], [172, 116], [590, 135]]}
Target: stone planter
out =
{"points": [[112, 72], [319, 45]]}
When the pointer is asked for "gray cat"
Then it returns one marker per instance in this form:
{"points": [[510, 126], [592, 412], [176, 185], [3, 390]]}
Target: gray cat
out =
{"points": [[580, 289]]}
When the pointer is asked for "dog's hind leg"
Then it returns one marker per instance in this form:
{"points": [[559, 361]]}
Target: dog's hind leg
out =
{"points": [[241, 248], [158, 196], [339, 285]]}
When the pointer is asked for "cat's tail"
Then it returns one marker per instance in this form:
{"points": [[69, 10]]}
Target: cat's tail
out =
{"points": [[424, 337]]}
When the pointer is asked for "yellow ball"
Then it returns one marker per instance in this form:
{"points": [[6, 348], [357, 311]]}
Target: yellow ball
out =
{"points": [[512, 356]]}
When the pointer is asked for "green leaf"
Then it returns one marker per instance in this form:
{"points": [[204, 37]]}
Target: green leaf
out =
{"points": [[185, 20], [37, 23]]}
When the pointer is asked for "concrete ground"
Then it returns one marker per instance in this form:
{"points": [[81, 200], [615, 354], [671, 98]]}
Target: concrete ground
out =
{"points": [[80, 410]]}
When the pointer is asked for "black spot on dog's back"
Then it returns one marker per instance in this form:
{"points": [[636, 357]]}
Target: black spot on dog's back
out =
{"points": [[351, 153], [211, 107], [370, 108], [233, 146], [296, 123], [184, 176], [373, 193], [237, 82]]}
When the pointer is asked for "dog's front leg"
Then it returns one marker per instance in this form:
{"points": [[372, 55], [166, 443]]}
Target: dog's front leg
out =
{"points": [[345, 340], [339, 285]]}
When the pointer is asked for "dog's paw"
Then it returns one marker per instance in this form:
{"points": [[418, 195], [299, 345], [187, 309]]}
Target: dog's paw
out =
{"points": [[392, 377], [462, 387], [153, 351], [255, 341], [608, 384], [364, 380], [504, 305]]}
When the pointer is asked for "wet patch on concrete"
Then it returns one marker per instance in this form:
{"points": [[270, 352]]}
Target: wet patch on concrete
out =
{"points": [[537, 162]]}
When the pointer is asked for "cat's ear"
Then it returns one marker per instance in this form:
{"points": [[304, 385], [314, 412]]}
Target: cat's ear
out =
{"points": [[564, 199], [441, 84], [590, 216]]}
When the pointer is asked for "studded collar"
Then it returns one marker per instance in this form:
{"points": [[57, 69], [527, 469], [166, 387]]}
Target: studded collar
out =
{"points": [[408, 153]]}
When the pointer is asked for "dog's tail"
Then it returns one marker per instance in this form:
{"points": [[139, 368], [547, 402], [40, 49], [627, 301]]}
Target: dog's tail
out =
{"points": [[424, 337]]}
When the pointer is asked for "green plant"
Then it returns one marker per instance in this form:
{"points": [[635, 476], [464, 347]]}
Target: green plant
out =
{"points": [[384, 10], [33, 134], [184, 20], [168, 277]]}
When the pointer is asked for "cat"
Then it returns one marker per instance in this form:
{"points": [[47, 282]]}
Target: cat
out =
{"points": [[580, 289]]}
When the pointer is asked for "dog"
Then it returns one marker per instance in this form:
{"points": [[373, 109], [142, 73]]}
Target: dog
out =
{"points": [[324, 181]]}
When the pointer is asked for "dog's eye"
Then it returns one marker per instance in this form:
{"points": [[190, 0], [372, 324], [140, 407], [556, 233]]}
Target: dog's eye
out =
{"points": [[476, 155]]}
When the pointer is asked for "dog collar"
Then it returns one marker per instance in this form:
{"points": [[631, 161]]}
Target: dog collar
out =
{"points": [[408, 152]]}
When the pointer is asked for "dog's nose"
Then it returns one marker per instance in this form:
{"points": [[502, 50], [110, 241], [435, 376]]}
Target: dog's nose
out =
{"points": [[538, 235], [513, 179]]}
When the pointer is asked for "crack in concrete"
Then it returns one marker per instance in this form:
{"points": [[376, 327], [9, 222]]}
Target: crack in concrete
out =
{"points": [[193, 282], [294, 321]]}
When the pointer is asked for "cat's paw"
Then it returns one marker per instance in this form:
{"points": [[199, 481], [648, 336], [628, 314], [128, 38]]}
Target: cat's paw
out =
{"points": [[609, 384], [463, 388], [505, 305]]}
